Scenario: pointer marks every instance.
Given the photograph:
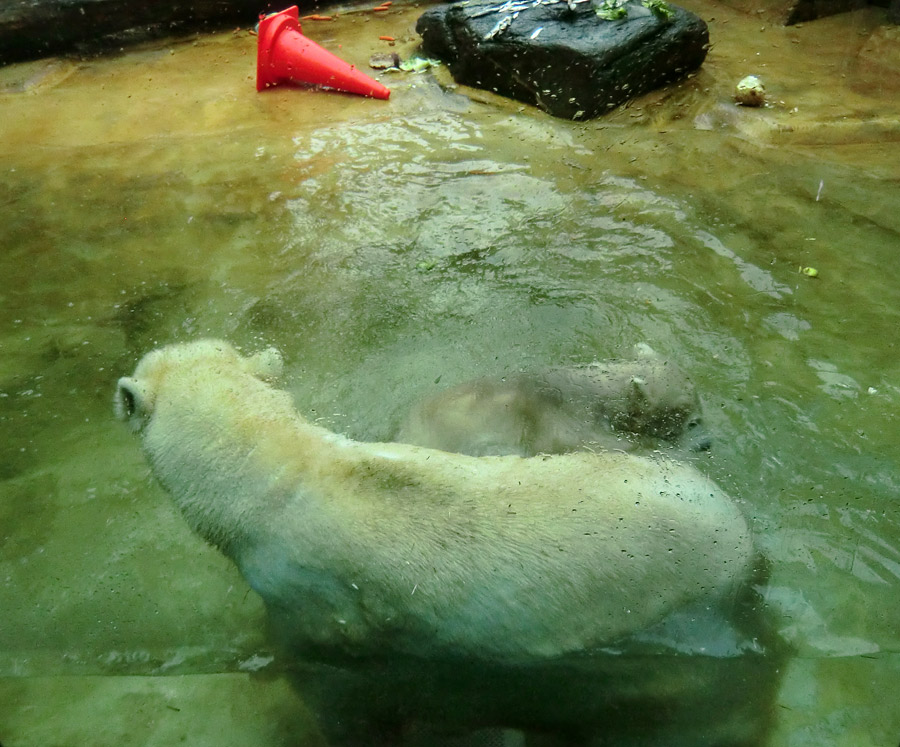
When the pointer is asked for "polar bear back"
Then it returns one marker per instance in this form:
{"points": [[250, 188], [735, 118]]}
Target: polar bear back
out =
{"points": [[370, 547], [541, 556]]}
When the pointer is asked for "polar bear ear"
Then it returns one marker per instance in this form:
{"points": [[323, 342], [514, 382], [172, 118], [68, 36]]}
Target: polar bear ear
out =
{"points": [[266, 364], [638, 395], [132, 402]]}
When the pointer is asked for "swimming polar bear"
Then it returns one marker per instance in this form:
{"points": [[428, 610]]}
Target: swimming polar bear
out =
{"points": [[373, 553], [616, 404]]}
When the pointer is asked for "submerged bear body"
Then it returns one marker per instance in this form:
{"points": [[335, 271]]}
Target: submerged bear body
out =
{"points": [[617, 404], [366, 551]]}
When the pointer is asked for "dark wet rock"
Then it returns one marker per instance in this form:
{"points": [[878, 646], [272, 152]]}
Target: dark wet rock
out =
{"points": [[566, 60], [790, 12], [892, 6], [800, 11], [30, 29], [809, 10]]}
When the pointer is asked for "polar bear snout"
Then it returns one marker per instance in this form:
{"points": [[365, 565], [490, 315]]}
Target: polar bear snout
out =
{"points": [[131, 402]]}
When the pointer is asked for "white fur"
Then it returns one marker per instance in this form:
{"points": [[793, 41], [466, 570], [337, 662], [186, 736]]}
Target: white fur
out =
{"points": [[371, 548]]}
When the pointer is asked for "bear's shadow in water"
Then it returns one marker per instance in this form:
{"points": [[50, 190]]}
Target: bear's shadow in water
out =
{"points": [[704, 676]]}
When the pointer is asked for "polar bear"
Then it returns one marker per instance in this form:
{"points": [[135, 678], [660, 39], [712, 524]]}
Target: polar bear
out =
{"points": [[402, 561], [616, 404]]}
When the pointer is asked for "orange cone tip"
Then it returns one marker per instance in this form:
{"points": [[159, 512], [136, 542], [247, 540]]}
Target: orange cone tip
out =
{"points": [[283, 55]]}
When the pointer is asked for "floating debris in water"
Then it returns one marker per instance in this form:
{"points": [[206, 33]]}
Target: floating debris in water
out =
{"points": [[418, 64], [750, 91], [810, 272], [385, 61]]}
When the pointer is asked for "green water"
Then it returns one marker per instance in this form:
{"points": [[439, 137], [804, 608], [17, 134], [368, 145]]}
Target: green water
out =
{"points": [[392, 249]]}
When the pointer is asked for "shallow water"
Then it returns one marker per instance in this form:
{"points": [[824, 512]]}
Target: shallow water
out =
{"points": [[394, 248]]}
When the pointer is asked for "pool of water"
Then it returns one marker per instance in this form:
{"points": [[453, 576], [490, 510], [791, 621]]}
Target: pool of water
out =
{"points": [[393, 248]]}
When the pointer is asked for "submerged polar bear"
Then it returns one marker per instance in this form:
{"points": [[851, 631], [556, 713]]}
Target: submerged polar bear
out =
{"points": [[616, 404], [377, 552]]}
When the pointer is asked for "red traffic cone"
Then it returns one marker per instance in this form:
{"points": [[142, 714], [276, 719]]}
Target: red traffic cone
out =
{"points": [[284, 54]]}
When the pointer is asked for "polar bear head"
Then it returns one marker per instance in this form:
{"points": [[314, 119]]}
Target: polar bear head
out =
{"points": [[135, 395], [658, 400]]}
